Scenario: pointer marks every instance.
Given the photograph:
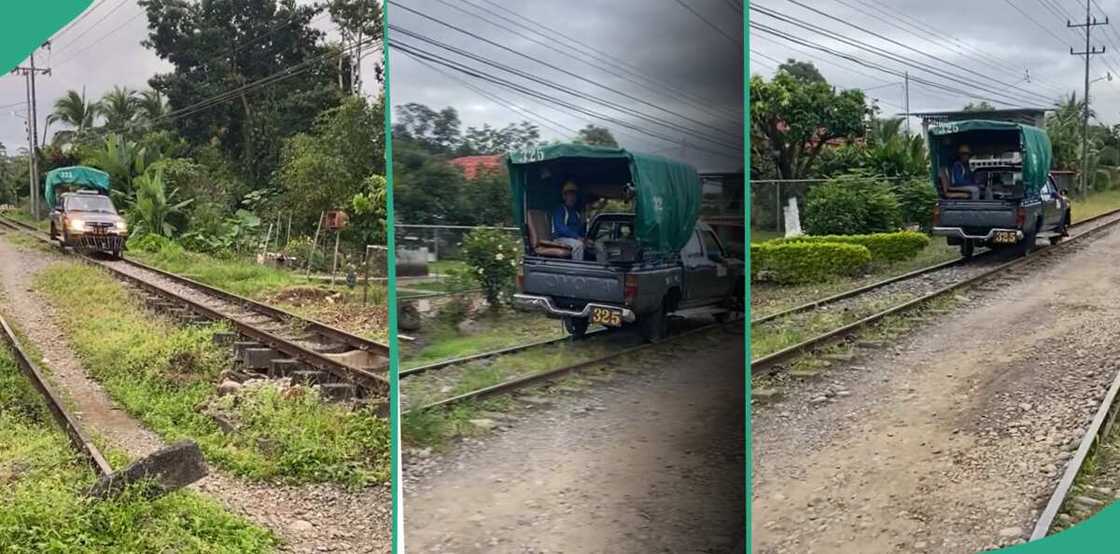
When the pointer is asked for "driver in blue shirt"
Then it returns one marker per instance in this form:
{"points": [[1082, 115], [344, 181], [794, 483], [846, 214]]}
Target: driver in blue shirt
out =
{"points": [[568, 224]]}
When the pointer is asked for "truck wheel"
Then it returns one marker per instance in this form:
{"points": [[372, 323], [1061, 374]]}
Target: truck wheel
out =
{"points": [[967, 248], [1062, 230], [1028, 243], [576, 326], [654, 326]]}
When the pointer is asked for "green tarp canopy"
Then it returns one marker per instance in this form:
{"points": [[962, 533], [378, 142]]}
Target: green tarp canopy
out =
{"points": [[74, 177], [1033, 145], [666, 192]]}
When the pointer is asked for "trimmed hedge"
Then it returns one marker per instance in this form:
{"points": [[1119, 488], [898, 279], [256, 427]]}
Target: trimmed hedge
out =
{"points": [[884, 247], [807, 261]]}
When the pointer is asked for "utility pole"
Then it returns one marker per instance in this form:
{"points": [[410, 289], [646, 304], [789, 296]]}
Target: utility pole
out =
{"points": [[29, 73], [906, 76], [1090, 22]]}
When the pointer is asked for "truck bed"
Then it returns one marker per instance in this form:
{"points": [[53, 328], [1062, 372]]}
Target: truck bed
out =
{"points": [[560, 278], [978, 214]]}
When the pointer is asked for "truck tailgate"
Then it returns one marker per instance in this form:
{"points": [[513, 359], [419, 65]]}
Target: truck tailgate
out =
{"points": [[977, 214], [559, 278]]}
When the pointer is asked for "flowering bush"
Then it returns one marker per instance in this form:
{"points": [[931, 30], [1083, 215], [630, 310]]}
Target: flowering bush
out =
{"points": [[493, 256]]}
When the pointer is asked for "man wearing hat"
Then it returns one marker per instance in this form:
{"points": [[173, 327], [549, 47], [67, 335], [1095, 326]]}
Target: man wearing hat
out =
{"points": [[568, 225], [960, 176]]}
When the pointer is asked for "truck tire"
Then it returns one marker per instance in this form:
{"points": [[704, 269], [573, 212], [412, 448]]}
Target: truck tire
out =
{"points": [[654, 325], [1062, 230], [576, 326], [967, 248], [1029, 239]]}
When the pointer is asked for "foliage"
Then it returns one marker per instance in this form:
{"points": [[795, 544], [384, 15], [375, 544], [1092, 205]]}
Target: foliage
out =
{"points": [[596, 136], [123, 160], [805, 72], [434, 131], [154, 205], [239, 233], [792, 120], [982, 106], [332, 164], [73, 110], [426, 189], [883, 247], [806, 261], [119, 107], [851, 204], [159, 372], [916, 200], [368, 206], [493, 255]]}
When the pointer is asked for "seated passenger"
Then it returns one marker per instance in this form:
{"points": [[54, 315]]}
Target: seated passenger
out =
{"points": [[568, 225], [961, 177]]}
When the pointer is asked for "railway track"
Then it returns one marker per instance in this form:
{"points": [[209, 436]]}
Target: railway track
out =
{"points": [[491, 354], [274, 341], [932, 282], [534, 378]]}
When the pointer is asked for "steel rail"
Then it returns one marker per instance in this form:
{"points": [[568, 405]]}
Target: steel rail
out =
{"points": [[765, 364], [363, 378], [879, 284], [552, 373], [493, 353], [81, 442], [1099, 428]]}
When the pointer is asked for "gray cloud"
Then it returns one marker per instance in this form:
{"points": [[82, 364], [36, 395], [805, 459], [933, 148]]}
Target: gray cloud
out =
{"points": [[657, 37], [994, 40]]}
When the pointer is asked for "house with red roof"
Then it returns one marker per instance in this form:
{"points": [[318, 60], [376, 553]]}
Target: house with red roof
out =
{"points": [[474, 167]]}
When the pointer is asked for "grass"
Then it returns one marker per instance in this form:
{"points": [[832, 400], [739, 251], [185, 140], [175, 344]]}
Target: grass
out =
{"points": [[434, 428], [776, 335], [768, 298], [238, 275], [25, 216], [1095, 204], [443, 267], [441, 339], [163, 374], [42, 482]]}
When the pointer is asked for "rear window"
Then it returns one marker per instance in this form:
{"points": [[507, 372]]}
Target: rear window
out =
{"points": [[91, 203]]}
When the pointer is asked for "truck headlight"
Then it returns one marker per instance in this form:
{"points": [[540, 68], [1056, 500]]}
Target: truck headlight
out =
{"points": [[121, 226], [75, 225]]}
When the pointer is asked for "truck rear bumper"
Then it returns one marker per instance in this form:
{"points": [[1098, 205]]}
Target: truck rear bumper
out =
{"points": [[959, 233], [544, 304]]}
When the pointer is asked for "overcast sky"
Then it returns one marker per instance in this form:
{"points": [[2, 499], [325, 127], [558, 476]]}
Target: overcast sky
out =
{"points": [[683, 75], [998, 43], [102, 50]]}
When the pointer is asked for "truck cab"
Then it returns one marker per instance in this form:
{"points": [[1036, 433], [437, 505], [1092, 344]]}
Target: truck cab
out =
{"points": [[638, 266], [994, 186]]}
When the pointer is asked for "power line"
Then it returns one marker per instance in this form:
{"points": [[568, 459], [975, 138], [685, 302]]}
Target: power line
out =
{"points": [[94, 25], [535, 60], [1035, 21], [597, 54], [78, 19], [718, 29], [434, 58], [910, 48], [701, 105], [98, 40]]}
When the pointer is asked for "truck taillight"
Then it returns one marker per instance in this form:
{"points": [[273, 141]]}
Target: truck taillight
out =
{"points": [[520, 277], [1020, 217], [630, 288], [936, 215]]}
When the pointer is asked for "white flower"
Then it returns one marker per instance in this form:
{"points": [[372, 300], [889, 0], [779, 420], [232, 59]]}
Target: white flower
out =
{"points": [[500, 247], [499, 257]]}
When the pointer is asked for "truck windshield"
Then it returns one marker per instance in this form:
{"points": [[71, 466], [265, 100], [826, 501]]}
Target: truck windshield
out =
{"points": [[100, 204]]}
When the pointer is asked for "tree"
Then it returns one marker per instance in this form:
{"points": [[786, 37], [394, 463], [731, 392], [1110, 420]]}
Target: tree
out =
{"points": [[230, 47], [119, 108], [792, 120], [437, 132], [426, 189], [983, 106], [154, 205], [596, 136], [805, 72], [152, 107], [489, 140], [72, 110], [123, 160], [357, 21]]}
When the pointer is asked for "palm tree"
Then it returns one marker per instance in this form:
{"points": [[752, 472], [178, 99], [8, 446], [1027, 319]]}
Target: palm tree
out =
{"points": [[73, 110], [152, 106], [154, 204], [119, 106]]}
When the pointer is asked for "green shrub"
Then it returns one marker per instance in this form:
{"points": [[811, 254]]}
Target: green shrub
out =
{"points": [[884, 247], [850, 205], [916, 199], [807, 261], [492, 254]]}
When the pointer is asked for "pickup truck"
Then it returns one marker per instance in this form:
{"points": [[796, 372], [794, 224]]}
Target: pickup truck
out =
{"points": [[1015, 201], [82, 215], [629, 277]]}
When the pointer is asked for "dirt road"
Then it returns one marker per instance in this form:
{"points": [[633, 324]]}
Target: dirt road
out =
{"points": [[951, 439], [650, 462]]}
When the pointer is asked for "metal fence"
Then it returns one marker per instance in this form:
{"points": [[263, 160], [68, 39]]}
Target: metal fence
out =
{"points": [[420, 246]]}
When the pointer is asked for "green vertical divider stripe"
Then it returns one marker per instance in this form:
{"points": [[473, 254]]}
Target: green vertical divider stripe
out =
{"points": [[391, 272], [27, 25]]}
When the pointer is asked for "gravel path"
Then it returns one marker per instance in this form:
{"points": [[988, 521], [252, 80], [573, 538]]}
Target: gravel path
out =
{"points": [[953, 438], [649, 461], [307, 518]]}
